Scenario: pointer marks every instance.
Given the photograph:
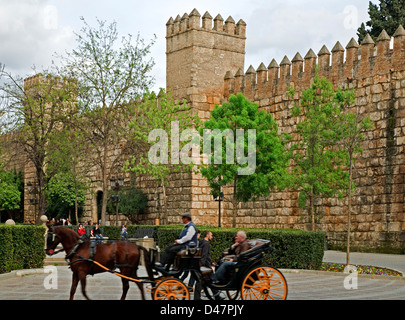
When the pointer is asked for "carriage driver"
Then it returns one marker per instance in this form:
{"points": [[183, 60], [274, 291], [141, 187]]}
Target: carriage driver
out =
{"points": [[188, 235]]}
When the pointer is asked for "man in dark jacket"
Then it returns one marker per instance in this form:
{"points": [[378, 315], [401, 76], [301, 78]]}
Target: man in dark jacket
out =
{"points": [[206, 250], [207, 263]]}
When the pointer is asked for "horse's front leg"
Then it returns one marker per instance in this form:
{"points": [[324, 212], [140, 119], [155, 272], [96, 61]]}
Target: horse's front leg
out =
{"points": [[82, 278], [75, 281]]}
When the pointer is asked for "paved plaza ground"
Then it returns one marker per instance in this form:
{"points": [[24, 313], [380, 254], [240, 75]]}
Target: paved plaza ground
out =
{"points": [[302, 284]]}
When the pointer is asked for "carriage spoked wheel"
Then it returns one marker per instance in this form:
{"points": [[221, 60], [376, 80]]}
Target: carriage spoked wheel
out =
{"points": [[171, 289], [264, 283], [232, 294]]}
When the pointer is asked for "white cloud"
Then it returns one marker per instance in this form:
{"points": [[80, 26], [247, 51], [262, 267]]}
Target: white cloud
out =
{"points": [[283, 29], [50, 19], [32, 30], [29, 34]]}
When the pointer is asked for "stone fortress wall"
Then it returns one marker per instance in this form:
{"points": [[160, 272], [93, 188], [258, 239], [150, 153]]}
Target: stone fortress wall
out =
{"points": [[374, 70], [205, 63]]}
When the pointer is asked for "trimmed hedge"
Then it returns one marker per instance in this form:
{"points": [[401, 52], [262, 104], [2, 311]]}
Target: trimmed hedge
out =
{"points": [[21, 247], [293, 249]]}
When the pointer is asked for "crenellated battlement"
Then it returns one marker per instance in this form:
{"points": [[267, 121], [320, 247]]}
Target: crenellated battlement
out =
{"points": [[33, 80], [39, 78], [194, 21], [199, 50], [339, 66]]}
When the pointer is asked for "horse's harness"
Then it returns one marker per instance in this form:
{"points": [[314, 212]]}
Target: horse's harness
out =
{"points": [[92, 248]]}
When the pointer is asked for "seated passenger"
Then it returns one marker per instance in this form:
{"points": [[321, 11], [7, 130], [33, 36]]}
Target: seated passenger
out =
{"points": [[187, 236], [96, 232], [241, 245], [81, 230]]}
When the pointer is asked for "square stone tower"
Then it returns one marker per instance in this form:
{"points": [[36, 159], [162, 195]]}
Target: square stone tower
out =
{"points": [[200, 51], [198, 55]]}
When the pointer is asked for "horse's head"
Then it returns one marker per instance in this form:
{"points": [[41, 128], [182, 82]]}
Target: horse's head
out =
{"points": [[52, 240]]}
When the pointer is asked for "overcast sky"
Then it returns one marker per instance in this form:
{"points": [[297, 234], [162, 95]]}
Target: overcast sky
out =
{"points": [[31, 31]]}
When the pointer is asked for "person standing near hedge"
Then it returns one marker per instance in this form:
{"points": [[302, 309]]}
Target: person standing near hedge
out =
{"points": [[187, 237], [124, 233], [96, 232]]}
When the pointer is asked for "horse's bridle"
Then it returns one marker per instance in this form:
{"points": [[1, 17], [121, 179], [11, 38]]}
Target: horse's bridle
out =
{"points": [[50, 239], [52, 251]]}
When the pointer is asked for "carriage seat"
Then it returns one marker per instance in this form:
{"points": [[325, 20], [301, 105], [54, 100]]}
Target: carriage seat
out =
{"points": [[205, 270], [187, 259], [192, 251], [258, 246], [257, 243], [186, 253]]}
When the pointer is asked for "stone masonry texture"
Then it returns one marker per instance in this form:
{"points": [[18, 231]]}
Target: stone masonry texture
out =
{"points": [[205, 65]]}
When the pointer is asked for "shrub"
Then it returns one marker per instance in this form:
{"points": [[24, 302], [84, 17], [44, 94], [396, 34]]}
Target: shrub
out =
{"points": [[6, 249], [21, 247], [293, 249]]}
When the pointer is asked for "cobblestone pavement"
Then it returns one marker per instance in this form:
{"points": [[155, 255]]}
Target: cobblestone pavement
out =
{"points": [[302, 285]]}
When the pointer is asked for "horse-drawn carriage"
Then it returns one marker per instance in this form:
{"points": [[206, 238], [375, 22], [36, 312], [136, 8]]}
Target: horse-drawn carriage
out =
{"points": [[250, 280]]}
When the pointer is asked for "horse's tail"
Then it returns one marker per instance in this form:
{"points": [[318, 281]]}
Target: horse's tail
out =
{"points": [[147, 262]]}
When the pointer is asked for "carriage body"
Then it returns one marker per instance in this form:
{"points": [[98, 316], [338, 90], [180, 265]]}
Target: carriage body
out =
{"points": [[250, 279]]}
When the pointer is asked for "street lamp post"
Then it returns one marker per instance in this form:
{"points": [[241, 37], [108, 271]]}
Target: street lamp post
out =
{"points": [[116, 184], [34, 201], [219, 197], [116, 199], [33, 190]]}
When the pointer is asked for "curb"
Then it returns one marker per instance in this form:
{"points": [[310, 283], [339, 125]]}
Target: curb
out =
{"points": [[27, 272], [21, 273], [341, 274]]}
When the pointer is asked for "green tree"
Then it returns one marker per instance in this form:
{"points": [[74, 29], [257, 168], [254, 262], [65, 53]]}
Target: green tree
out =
{"points": [[241, 129], [388, 16], [109, 74], [132, 203], [317, 168], [157, 129], [33, 110], [64, 191], [352, 128], [66, 152], [11, 183]]}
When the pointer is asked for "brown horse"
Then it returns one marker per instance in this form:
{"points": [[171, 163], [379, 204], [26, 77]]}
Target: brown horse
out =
{"points": [[121, 254]]}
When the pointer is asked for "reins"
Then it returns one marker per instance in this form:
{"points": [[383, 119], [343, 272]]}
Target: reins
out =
{"points": [[119, 274], [109, 270], [74, 251]]}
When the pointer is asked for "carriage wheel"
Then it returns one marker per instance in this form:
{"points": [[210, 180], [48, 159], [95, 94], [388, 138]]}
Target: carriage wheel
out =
{"points": [[264, 283], [171, 289], [232, 294]]}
